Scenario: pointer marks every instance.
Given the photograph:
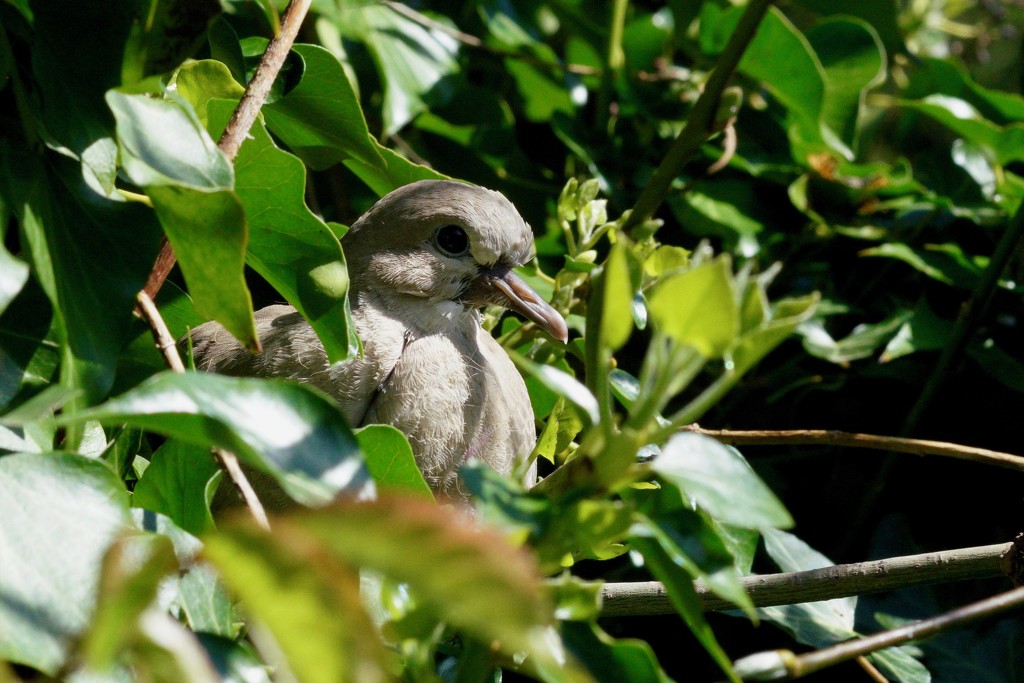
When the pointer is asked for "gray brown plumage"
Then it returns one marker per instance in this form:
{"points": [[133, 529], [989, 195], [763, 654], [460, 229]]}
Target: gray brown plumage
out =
{"points": [[422, 262]]}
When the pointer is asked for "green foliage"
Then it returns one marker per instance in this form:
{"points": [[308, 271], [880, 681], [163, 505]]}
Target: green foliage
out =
{"points": [[880, 175]]}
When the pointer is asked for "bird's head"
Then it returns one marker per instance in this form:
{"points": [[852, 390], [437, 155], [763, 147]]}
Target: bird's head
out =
{"points": [[446, 242]]}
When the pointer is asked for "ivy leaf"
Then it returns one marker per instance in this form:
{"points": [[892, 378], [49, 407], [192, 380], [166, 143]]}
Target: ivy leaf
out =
{"points": [[320, 118], [718, 479], [83, 259], [165, 150], [288, 430], [288, 245], [60, 512], [390, 461]]}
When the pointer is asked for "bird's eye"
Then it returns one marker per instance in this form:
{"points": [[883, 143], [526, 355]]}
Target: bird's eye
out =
{"points": [[452, 240]]}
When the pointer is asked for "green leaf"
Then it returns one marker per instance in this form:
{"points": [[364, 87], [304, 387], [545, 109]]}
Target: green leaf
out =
{"points": [[853, 60], [683, 597], [307, 599], [933, 76], [697, 308], [205, 603], [943, 262], [162, 142], [234, 660], [616, 300], [208, 233], [924, 331], [562, 383], [862, 342], [1005, 144], [415, 61], [395, 172], [288, 430], [781, 57], [469, 577], [695, 546], [784, 318], [320, 118], [90, 255], [817, 624], [390, 461], [288, 245], [13, 275], [718, 479], [165, 150], [171, 32], [132, 570], [204, 80], [725, 207], [543, 96], [611, 660], [64, 31], [60, 513], [177, 484]]}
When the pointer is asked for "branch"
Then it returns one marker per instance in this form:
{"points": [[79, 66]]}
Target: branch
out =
{"points": [[227, 461], [797, 437], [784, 664], [842, 580], [700, 124], [242, 118]]}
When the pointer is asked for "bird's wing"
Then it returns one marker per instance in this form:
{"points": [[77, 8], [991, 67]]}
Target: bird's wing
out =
{"points": [[291, 350], [356, 382]]}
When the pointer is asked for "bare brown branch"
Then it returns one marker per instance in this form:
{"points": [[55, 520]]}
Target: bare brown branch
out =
{"points": [[789, 666], [243, 117], [228, 461], [649, 597], [804, 437]]}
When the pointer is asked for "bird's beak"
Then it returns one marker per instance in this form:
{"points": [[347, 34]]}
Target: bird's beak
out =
{"points": [[518, 296]]}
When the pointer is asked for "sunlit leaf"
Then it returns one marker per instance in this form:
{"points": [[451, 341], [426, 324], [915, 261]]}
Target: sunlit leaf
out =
{"points": [[177, 484], [718, 479], [288, 245], [390, 461], [131, 572], [288, 430], [166, 150], [697, 308], [853, 61], [679, 586], [561, 383], [60, 513], [308, 600], [320, 118]]}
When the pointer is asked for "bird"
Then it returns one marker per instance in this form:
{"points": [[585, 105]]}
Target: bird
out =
{"points": [[422, 261]]}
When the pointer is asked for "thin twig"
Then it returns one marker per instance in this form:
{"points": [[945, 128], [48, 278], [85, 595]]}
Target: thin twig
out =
{"points": [[470, 40], [227, 460], [700, 123], [644, 598], [799, 437], [161, 335], [790, 666], [242, 118]]}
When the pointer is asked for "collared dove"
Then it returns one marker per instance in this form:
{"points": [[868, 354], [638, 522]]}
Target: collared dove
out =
{"points": [[422, 262]]}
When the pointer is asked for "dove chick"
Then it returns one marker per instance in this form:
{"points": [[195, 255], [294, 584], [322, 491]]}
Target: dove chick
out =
{"points": [[422, 262]]}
